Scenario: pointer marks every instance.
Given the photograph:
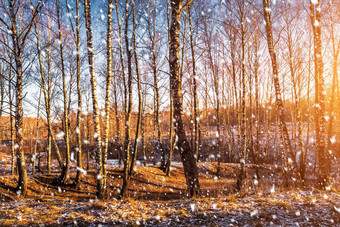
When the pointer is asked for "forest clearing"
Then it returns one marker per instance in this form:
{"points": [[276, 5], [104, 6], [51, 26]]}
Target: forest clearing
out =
{"points": [[157, 200]]}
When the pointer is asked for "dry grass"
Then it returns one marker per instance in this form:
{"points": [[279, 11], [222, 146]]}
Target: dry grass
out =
{"points": [[154, 198]]}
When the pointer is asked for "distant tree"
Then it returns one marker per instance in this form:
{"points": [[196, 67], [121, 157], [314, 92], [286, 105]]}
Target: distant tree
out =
{"points": [[36, 144], [47, 91], [292, 35]]}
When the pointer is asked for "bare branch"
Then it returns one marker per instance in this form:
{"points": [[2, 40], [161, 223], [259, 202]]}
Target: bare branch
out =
{"points": [[28, 28], [186, 4]]}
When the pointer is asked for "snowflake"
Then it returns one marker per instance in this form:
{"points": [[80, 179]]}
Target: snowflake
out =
{"points": [[60, 135], [192, 207], [333, 139], [254, 213], [81, 170]]}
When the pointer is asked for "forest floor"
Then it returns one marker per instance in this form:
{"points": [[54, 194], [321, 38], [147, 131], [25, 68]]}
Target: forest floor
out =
{"points": [[157, 200]]}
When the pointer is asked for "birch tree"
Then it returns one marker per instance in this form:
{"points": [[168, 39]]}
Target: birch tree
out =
{"points": [[66, 169], [79, 107], [194, 79], [187, 155], [108, 88], [19, 36], [278, 95], [320, 122], [97, 137], [129, 106], [140, 102]]}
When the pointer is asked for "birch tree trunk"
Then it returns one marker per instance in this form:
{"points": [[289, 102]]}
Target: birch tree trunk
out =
{"points": [[97, 137], [258, 122], [19, 140], [34, 157], [2, 89], [88, 136], [278, 96], [320, 122], [121, 53], [243, 121], [10, 82], [48, 100], [65, 172], [335, 53], [171, 144], [186, 153], [195, 85], [19, 37], [140, 103], [117, 119], [129, 107], [108, 90], [78, 129]]}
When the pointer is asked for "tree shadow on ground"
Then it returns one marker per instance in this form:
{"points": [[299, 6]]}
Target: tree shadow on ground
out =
{"points": [[5, 197]]}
